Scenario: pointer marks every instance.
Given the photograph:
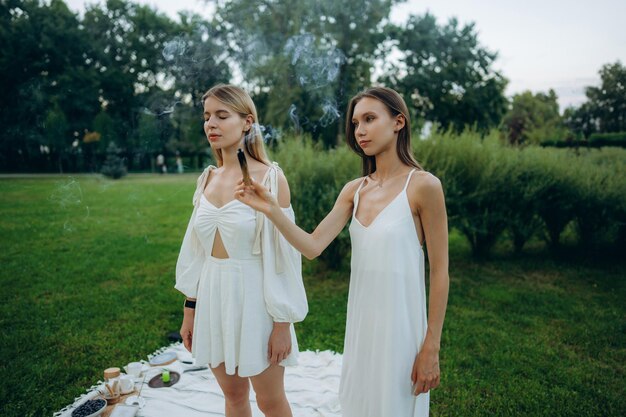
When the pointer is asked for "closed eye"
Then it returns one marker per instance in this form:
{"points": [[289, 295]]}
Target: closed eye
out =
{"points": [[220, 116]]}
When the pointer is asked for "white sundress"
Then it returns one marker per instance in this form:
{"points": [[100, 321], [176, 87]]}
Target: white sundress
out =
{"points": [[240, 297], [386, 320]]}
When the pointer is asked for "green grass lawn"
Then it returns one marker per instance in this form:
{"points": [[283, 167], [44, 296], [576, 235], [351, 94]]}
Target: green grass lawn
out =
{"points": [[87, 275]]}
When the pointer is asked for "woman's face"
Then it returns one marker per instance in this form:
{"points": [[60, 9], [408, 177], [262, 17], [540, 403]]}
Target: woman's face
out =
{"points": [[223, 126], [375, 129]]}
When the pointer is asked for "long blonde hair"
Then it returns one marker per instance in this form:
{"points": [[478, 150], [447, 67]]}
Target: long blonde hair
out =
{"points": [[240, 101]]}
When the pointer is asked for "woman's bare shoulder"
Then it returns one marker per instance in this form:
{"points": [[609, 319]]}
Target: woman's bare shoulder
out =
{"points": [[426, 178], [284, 194], [348, 191], [424, 185]]}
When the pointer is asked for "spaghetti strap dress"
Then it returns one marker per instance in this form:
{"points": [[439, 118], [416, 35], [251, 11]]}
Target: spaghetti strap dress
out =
{"points": [[386, 320], [239, 298]]}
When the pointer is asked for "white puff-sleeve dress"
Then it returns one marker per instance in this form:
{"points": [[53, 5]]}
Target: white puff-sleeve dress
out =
{"points": [[239, 298]]}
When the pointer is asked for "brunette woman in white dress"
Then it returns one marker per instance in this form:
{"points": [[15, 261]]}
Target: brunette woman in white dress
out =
{"points": [[242, 280], [391, 350]]}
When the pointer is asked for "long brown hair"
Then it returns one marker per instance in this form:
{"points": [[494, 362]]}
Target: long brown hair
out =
{"points": [[240, 101], [395, 105]]}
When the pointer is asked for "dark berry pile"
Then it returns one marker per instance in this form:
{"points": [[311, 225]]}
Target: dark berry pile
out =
{"points": [[89, 408]]}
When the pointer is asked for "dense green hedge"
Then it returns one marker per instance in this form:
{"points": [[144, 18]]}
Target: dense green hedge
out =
{"points": [[608, 139], [493, 191], [568, 143], [596, 140]]}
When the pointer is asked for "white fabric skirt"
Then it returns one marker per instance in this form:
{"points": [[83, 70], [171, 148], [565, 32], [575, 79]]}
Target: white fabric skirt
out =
{"points": [[232, 325]]}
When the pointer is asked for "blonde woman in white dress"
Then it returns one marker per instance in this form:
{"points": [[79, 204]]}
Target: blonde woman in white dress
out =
{"points": [[391, 349], [242, 280]]}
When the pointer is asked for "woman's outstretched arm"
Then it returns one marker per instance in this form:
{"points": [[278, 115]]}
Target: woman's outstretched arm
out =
{"points": [[310, 245]]}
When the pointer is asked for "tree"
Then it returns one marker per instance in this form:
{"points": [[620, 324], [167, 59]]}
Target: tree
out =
{"points": [[152, 67], [148, 136], [608, 102], [113, 166], [445, 74], [605, 108], [189, 138], [42, 65], [56, 133], [196, 59], [127, 42], [580, 120], [105, 125], [303, 59], [533, 118], [52, 58]]}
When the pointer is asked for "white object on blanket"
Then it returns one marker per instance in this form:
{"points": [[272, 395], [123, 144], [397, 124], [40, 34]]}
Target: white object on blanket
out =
{"points": [[311, 389], [122, 410], [164, 358]]}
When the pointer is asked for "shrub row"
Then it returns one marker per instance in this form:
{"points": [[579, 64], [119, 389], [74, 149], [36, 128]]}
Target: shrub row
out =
{"points": [[493, 191], [608, 139], [596, 140]]}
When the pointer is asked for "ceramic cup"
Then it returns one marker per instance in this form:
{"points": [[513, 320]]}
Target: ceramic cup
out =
{"points": [[127, 384], [134, 369]]}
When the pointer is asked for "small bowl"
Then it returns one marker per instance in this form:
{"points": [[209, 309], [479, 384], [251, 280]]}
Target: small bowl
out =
{"points": [[141, 402], [76, 413], [113, 400]]}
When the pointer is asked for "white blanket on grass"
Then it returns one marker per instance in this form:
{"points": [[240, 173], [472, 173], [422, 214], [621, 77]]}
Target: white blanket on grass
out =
{"points": [[311, 389]]}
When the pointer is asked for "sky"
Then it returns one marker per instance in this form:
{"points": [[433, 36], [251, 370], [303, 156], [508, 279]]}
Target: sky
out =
{"points": [[541, 44]]}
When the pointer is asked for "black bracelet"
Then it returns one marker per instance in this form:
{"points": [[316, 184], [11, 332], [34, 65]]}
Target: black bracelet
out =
{"points": [[190, 304]]}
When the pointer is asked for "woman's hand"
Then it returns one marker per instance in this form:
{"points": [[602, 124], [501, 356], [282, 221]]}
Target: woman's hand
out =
{"points": [[256, 196], [425, 375], [186, 329], [279, 346]]}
